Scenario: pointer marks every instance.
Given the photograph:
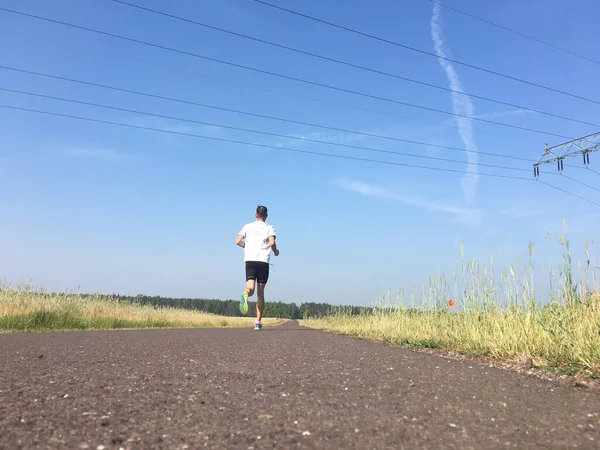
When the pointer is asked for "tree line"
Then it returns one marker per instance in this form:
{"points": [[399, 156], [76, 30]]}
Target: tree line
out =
{"points": [[231, 307]]}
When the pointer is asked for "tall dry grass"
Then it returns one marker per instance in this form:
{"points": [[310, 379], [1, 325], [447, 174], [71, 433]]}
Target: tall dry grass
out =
{"points": [[26, 308], [480, 311]]}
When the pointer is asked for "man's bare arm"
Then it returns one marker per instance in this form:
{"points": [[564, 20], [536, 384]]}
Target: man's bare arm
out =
{"points": [[273, 245], [239, 241]]}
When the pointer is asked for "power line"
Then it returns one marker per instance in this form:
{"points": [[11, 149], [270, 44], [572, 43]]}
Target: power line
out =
{"points": [[580, 168], [296, 122], [308, 152], [581, 183], [356, 66], [313, 83], [510, 30], [287, 93], [424, 52], [593, 171], [162, 116], [569, 193], [273, 147], [300, 138]]}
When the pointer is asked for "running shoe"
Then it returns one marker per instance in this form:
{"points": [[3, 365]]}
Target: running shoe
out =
{"points": [[257, 326], [244, 302]]}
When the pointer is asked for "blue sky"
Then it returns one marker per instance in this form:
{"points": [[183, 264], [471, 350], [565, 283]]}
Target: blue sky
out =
{"points": [[112, 209]]}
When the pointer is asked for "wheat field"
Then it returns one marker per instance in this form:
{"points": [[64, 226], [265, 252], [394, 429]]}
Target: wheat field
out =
{"points": [[26, 308], [495, 315]]}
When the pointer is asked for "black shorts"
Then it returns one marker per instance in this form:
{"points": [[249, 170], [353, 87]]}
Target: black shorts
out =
{"points": [[257, 270]]}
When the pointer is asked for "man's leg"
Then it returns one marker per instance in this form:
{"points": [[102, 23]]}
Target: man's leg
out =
{"points": [[250, 287], [249, 291], [260, 302], [250, 277], [262, 276]]}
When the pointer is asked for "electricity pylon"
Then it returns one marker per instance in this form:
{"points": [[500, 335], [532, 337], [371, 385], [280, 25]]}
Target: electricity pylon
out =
{"points": [[580, 146]]}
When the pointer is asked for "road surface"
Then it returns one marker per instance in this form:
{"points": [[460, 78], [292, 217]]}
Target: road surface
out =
{"points": [[283, 387]]}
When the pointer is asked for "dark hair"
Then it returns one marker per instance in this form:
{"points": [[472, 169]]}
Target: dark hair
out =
{"points": [[261, 211]]}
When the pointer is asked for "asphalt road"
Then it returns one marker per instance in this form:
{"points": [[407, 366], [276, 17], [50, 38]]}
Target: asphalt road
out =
{"points": [[283, 387]]}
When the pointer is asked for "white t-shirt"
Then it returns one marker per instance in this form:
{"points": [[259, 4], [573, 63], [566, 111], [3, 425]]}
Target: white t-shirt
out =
{"points": [[256, 236]]}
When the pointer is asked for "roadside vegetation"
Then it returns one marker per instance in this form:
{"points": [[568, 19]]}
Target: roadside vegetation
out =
{"points": [[25, 308], [499, 316]]}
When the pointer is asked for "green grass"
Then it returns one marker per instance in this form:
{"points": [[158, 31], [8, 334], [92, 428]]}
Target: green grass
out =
{"points": [[495, 315], [29, 309]]}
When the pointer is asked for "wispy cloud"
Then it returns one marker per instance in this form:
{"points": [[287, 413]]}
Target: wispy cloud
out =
{"points": [[104, 154], [298, 140], [520, 211], [174, 126], [467, 216], [336, 137], [493, 115], [461, 105], [509, 113], [436, 134]]}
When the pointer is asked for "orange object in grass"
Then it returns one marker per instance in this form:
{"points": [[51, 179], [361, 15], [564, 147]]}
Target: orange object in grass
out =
{"points": [[451, 303]]}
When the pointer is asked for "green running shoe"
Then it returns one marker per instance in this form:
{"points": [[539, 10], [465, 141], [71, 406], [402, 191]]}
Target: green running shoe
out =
{"points": [[244, 303]]}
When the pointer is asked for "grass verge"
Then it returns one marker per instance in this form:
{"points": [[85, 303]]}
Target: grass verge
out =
{"points": [[28, 309], [495, 317]]}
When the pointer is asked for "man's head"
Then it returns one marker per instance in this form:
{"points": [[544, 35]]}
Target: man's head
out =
{"points": [[261, 213]]}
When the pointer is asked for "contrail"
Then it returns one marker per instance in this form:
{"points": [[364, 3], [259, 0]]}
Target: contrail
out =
{"points": [[461, 105]]}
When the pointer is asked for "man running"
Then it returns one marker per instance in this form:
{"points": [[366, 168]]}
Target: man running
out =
{"points": [[257, 239]]}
